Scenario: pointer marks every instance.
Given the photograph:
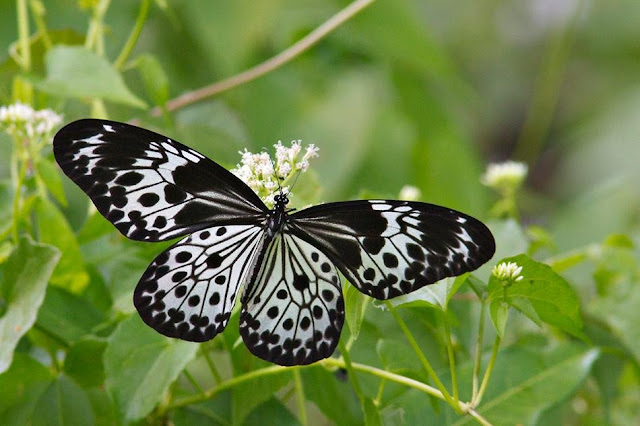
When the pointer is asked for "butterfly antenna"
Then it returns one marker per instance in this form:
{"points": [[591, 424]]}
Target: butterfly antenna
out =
{"points": [[275, 173], [296, 179]]}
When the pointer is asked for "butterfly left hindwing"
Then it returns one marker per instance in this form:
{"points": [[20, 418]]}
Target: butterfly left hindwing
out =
{"points": [[189, 289]]}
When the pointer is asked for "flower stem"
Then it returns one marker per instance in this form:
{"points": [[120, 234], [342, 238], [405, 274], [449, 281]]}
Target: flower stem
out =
{"points": [[452, 358], [302, 408], [487, 374], [478, 355], [351, 373], [23, 34], [21, 166], [210, 364], [270, 64], [423, 359]]}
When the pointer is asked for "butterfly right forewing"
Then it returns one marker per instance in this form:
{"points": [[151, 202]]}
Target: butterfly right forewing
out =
{"points": [[150, 187]]}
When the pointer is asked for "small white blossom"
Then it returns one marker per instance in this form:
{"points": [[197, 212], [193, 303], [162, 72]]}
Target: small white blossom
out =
{"points": [[410, 193], [22, 121], [507, 175], [265, 175], [509, 271]]}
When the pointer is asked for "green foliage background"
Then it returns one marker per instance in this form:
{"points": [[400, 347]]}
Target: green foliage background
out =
{"points": [[413, 92]]}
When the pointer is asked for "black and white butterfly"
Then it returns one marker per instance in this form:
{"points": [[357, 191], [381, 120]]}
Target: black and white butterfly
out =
{"points": [[153, 188]]}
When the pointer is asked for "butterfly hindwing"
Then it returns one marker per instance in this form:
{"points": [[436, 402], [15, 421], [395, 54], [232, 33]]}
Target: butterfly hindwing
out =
{"points": [[293, 311], [189, 290], [389, 248], [150, 187]]}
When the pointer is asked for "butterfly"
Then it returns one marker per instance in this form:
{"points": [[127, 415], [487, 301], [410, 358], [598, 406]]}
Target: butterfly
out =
{"points": [[289, 264]]}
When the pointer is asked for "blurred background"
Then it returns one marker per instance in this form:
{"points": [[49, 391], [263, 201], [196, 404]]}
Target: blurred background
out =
{"points": [[408, 92]]}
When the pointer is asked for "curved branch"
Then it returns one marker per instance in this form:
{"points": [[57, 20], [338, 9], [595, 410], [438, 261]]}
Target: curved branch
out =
{"points": [[270, 64]]}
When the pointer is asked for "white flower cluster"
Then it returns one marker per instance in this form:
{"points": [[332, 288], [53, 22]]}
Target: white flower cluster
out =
{"points": [[509, 271], [410, 193], [265, 176], [507, 175], [22, 121]]}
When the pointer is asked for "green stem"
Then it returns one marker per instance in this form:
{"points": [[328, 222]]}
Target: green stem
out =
{"points": [[547, 91], [17, 195], [38, 11], [487, 374], [423, 359], [23, 34], [351, 372], [270, 64], [210, 364], [193, 381], [94, 33], [381, 387], [235, 381], [302, 407], [452, 358], [135, 34], [478, 355]]}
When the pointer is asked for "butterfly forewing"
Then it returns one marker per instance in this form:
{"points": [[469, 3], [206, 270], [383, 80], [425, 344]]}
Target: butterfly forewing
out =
{"points": [[293, 312], [150, 187], [189, 290], [388, 248]]}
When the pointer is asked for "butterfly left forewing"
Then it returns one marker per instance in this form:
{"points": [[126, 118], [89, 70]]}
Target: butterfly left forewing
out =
{"points": [[151, 187], [388, 248], [293, 310]]}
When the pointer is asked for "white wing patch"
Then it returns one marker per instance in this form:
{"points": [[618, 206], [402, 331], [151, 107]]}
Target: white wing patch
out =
{"points": [[189, 290], [293, 311]]}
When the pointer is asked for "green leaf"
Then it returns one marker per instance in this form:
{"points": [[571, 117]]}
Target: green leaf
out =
{"points": [[20, 388], [499, 312], [63, 403], [54, 229], [525, 383], [154, 78], [331, 392], [617, 277], [552, 298], [354, 306], [215, 411], [371, 413], [67, 316], [76, 72], [6, 210], [397, 356], [247, 396], [435, 295], [50, 176], [83, 362], [271, 411], [140, 364], [25, 277]]}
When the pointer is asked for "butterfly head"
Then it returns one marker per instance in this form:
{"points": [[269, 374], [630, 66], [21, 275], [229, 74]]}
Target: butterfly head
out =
{"points": [[280, 201]]}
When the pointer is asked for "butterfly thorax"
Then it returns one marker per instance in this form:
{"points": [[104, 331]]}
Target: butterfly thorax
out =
{"points": [[278, 215]]}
